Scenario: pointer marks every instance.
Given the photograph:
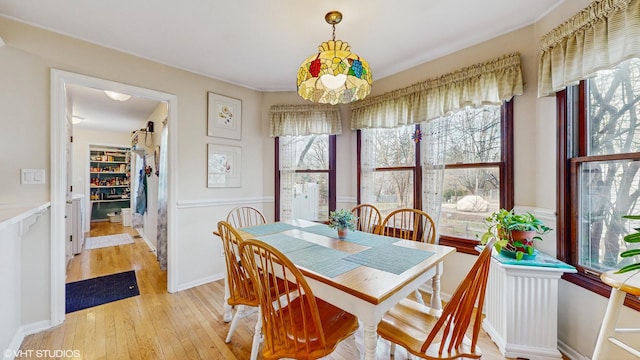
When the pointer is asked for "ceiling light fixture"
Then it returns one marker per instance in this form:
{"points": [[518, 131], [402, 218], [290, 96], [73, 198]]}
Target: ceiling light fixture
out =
{"points": [[75, 119], [334, 75], [117, 96]]}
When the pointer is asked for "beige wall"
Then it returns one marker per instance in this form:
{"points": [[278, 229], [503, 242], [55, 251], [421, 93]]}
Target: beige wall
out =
{"points": [[24, 98]]}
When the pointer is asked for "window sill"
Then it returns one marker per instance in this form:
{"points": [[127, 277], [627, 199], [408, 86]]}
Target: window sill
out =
{"points": [[466, 246]]}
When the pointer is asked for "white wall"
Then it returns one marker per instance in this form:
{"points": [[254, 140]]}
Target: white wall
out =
{"points": [[29, 54]]}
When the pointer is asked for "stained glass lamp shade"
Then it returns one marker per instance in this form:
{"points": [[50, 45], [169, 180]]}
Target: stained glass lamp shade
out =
{"points": [[334, 75]]}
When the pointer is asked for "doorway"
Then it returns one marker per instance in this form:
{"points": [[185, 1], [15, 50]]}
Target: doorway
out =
{"points": [[60, 184]]}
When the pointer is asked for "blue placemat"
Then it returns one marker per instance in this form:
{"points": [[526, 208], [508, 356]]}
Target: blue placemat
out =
{"points": [[268, 228], [356, 237], [323, 260], [390, 258], [285, 243]]}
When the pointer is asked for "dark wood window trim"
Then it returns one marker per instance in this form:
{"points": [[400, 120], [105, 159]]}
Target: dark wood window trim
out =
{"points": [[331, 172], [571, 104]]}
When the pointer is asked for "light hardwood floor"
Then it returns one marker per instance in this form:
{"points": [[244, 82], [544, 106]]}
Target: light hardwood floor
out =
{"points": [[159, 325]]}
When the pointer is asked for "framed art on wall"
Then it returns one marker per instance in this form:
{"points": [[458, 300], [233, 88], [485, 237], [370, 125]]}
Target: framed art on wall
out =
{"points": [[223, 166], [224, 117]]}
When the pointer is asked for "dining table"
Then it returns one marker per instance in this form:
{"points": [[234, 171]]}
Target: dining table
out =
{"points": [[364, 274]]}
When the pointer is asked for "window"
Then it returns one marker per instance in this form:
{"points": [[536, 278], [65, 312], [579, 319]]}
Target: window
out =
{"points": [[391, 165], [477, 175], [600, 145], [305, 180]]}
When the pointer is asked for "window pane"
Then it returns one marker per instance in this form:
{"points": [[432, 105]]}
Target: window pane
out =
{"points": [[393, 190], [311, 196], [469, 196], [474, 136], [608, 190], [310, 152], [394, 147], [613, 110]]}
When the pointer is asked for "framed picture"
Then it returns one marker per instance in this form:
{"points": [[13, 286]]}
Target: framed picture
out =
{"points": [[224, 117], [223, 166]]}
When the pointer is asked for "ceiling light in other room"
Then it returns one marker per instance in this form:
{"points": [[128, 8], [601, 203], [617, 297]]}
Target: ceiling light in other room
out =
{"points": [[75, 119], [117, 96], [334, 75]]}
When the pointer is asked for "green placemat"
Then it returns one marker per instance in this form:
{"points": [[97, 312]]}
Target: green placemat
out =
{"points": [[390, 258], [285, 243], [268, 228], [323, 260], [356, 237]]}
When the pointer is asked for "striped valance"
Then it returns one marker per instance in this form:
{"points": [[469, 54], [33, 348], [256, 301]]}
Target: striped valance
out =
{"points": [[293, 120], [491, 82], [600, 36]]}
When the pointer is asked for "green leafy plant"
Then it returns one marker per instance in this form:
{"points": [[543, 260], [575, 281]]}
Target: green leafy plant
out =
{"points": [[342, 219], [631, 238], [501, 223]]}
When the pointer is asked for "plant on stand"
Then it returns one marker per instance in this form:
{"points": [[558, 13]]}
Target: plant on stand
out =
{"points": [[514, 233], [342, 220]]}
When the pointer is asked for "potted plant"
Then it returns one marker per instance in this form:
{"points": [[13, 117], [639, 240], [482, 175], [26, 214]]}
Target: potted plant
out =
{"points": [[514, 233], [631, 238], [342, 220]]}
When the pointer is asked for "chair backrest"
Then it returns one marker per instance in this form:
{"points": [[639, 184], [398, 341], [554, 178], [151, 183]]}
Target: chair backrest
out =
{"points": [[243, 216], [459, 312], [409, 224], [291, 323], [369, 218], [241, 289]]}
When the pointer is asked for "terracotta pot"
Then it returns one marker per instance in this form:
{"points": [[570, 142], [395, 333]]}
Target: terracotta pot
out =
{"points": [[525, 238], [342, 233]]}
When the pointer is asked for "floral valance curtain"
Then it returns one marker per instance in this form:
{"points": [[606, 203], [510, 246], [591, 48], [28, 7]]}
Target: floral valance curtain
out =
{"points": [[600, 36], [491, 82], [294, 120]]}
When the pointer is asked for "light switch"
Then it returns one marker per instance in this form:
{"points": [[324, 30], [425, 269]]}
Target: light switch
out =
{"points": [[32, 176]]}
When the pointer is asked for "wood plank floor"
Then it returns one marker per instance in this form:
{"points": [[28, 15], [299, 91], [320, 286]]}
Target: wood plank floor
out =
{"points": [[158, 325]]}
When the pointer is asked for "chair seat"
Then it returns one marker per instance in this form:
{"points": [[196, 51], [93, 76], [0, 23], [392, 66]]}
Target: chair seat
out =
{"points": [[408, 323], [628, 282], [341, 323]]}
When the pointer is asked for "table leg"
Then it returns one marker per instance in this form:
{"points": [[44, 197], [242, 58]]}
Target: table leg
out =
{"points": [[436, 301], [227, 308], [370, 341]]}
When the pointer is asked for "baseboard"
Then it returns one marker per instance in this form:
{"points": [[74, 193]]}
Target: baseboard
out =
{"points": [[199, 282], [571, 353], [13, 349], [144, 237]]}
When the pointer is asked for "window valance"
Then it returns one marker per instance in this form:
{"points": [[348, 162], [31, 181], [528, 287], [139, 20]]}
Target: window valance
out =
{"points": [[600, 36], [293, 120], [491, 82]]}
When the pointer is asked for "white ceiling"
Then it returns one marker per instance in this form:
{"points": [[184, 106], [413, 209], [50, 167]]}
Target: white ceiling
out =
{"points": [[260, 44]]}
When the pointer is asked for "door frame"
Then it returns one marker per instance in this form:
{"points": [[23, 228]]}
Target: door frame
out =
{"points": [[59, 79]]}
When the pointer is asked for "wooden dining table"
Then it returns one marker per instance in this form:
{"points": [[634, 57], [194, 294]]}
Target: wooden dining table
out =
{"points": [[364, 274]]}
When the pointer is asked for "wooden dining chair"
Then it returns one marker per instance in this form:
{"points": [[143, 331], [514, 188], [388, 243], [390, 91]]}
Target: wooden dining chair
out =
{"points": [[408, 323], [409, 224], [368, 218], [244, 216], [299, 325], [241, 292], [416, 225]]}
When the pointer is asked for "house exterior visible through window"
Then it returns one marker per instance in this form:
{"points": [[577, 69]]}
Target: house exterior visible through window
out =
{"points": [[305, 172]]}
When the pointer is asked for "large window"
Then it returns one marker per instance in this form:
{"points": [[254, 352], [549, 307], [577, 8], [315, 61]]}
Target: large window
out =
{"points": [[599, 159], [392, 166], [305, 180], [477, 169]]}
